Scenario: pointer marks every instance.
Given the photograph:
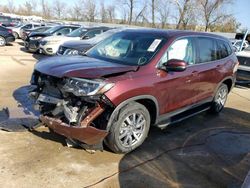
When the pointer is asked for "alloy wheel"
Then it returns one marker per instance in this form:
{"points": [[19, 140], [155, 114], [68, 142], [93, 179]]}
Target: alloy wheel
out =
{"points": [[132, 129], [2, 41], [221, 98]]}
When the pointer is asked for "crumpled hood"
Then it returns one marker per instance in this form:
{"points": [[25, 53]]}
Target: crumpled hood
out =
{"points": [[80, 66], [77, 45]]}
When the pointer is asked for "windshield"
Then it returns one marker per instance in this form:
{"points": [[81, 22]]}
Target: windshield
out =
{"points": [[53, 29], [77, 33], [128, 48]]}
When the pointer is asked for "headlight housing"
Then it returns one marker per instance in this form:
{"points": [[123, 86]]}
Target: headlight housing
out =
{"points": [[85, 87], [43, 42], [71, 52]]}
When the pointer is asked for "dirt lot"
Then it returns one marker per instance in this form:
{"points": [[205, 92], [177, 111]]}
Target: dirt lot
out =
{"points": [[203, 151]]}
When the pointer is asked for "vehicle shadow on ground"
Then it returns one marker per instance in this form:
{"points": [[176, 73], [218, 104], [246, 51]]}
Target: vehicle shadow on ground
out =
{"points": [[35, 55], [22, 117], [202, 151], [20, 43]]}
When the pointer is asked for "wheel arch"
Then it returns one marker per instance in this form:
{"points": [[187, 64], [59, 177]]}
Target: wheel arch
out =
{"points": [[149, 101], [229, 81]]}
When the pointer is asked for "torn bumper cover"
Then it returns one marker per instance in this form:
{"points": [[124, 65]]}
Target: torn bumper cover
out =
{"points": [[89, 135]]}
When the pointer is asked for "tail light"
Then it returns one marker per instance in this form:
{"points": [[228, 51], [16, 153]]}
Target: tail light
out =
{"points": [[9, 31], [12, 24]]}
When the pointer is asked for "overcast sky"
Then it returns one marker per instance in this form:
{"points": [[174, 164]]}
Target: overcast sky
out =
{"points": [[241, 9]]}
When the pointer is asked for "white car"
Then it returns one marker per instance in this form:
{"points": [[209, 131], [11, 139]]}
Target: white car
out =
{"points": [[243, 72], [237, 44], [50, 45], [17, 30]]}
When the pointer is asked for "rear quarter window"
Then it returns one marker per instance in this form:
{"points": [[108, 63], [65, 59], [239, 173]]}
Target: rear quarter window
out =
{"points": [[223, 49], [207, 49]]}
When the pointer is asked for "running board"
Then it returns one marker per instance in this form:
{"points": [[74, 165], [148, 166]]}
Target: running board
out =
{"points": [[182, 116]]}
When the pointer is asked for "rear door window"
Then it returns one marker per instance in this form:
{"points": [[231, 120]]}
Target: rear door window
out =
{"points": [[64, 31], [207, 49], [28, 26], [93, 33]]}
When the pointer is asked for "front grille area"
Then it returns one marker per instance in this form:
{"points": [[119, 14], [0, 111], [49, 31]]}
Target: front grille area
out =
{"points": [[245, 61]]}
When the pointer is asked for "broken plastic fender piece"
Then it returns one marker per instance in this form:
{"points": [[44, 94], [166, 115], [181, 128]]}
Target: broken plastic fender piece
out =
{"points": [[89, 135]]}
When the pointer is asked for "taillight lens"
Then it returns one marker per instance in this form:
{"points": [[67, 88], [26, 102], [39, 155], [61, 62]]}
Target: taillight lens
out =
{"points": [[9, 31]]}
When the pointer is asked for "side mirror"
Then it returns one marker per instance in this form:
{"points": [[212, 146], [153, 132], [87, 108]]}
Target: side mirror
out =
{"points": [[175, 65], [85, 37]]}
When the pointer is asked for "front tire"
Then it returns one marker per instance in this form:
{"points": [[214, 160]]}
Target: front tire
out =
{"points": [[219, 99], [129, 129], [2, 41], [16, 35]]}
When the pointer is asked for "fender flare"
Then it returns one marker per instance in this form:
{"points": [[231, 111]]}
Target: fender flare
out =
{"points": [[223, 80], [126, 102]]}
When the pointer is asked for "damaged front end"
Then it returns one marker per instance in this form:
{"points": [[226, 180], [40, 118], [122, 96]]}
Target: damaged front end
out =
{"points": [[73, 107]]}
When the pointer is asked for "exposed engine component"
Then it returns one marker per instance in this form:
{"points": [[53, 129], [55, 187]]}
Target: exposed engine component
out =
{"points": [[71, 113]]}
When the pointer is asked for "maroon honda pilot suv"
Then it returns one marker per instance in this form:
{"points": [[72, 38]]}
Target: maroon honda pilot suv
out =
{"points": [[131, 81]]}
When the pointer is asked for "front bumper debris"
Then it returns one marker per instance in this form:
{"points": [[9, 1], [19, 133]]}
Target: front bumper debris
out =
{"points": [[89, 135]]}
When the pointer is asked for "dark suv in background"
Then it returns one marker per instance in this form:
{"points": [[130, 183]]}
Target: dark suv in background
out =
{"points": [[131, 80], [6, 36], [6, 21], [31, 42]]}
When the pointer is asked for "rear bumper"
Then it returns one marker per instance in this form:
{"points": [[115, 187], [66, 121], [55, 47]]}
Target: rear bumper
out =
{"points": [[243, 74]]}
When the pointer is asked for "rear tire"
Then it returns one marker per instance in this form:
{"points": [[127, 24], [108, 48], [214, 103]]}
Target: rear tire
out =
{"points": [[219, 99], [129, 128], [2, 41]]}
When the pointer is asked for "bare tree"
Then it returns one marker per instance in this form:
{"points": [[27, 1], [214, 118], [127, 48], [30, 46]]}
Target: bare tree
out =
{"points": [[130, 4], [153, 7], [163, 12], [229, 24], [103, 12], [76, 12], [141, 16], [183, 7], [212, 11], [90, 10], [11, 6], [46, 9], [27, 8], [59, 8], [111, 13]]}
